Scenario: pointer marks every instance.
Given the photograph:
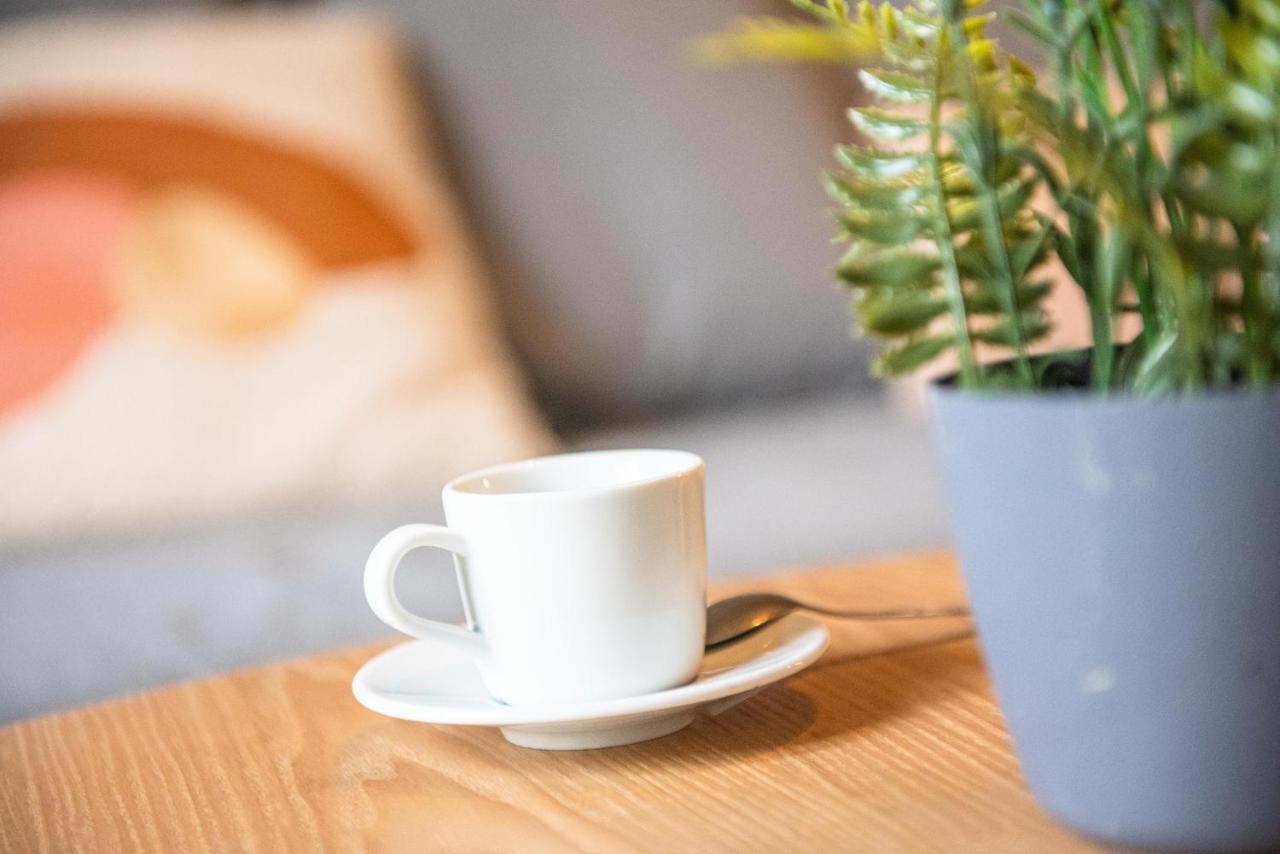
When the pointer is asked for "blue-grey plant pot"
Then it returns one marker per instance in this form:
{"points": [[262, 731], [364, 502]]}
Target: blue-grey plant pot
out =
{"points": [[1122, 557]]}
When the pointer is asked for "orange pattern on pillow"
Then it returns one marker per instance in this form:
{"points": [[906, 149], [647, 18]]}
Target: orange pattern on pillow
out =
{"points": [[339, 221], [58, 236]]}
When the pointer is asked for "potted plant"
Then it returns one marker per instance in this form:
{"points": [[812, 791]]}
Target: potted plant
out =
{"points": [[1116, 510]]}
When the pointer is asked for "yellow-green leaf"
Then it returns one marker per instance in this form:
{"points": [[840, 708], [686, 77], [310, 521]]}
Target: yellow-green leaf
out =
{"points": [[887, 228], [887, 268], [1003, 333], [897, 86], [880, 195], [910, 356], [886, 126], [887, 312], [873, 163]]}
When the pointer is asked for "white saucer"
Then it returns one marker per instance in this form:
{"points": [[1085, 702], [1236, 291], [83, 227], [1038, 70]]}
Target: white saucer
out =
{"points": [[429, 682]]}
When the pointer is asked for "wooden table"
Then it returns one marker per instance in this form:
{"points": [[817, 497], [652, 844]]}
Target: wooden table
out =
{"points": [[892, 742]]}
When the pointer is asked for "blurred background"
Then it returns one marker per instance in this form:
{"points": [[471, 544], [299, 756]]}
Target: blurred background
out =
{"points": [[270, 274]]}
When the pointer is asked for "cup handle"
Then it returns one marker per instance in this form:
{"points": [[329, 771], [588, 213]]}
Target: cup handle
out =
{"points": [[379, 585]]}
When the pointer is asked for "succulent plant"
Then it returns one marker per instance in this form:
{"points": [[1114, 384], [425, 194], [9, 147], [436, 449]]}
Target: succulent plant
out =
{"points": [[1148, 165]]}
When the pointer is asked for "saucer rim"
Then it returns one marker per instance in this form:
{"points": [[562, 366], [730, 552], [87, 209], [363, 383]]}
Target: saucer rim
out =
{"points": [[810, 636]]}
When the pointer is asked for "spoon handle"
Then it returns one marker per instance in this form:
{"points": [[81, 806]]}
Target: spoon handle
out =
{"points": [[887, 614]]}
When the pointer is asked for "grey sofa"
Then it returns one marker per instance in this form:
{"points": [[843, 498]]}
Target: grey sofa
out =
{"points": [[655, 232]]}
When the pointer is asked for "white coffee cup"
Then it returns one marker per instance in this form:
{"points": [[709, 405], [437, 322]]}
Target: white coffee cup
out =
{"points": [[583, 575]]}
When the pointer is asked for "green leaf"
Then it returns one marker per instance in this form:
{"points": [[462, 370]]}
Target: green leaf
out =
{"points": [[1158, 372], [834, 11], [982, 53], [983, 299], [1267, 12], [1037, 30], [887, 312], [975, 26], [972, 261], [964, 214], [1196, 132], [886, 126], [890, 228], [910, 356], [895, 86], [956, 180], [1026, 156], [887, 268], [1033, 250], [1012, 196], [1069, 255], [1249, 105], [879, 165], [879, 195], [1210, 256], [917, 25], [1222, 193], [1129, 361], [1033, 325], [775, 40], [1217, 150]]}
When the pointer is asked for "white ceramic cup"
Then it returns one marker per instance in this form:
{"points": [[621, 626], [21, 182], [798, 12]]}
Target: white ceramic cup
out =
{"points": [[583, 575]]}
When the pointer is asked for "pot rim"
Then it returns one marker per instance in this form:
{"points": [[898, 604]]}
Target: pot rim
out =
{"points": [[940, 391]]}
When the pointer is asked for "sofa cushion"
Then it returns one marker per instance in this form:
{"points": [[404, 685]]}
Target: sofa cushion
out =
{"points": [[656, 227]]}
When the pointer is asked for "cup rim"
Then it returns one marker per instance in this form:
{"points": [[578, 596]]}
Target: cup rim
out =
{"points": [[689, 463]]}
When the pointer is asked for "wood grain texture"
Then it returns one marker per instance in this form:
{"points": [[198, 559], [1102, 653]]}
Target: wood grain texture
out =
{"points": [[892, 742]]}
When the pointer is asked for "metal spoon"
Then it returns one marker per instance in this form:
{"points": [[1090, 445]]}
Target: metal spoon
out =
{"points": [[730, 619]]}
